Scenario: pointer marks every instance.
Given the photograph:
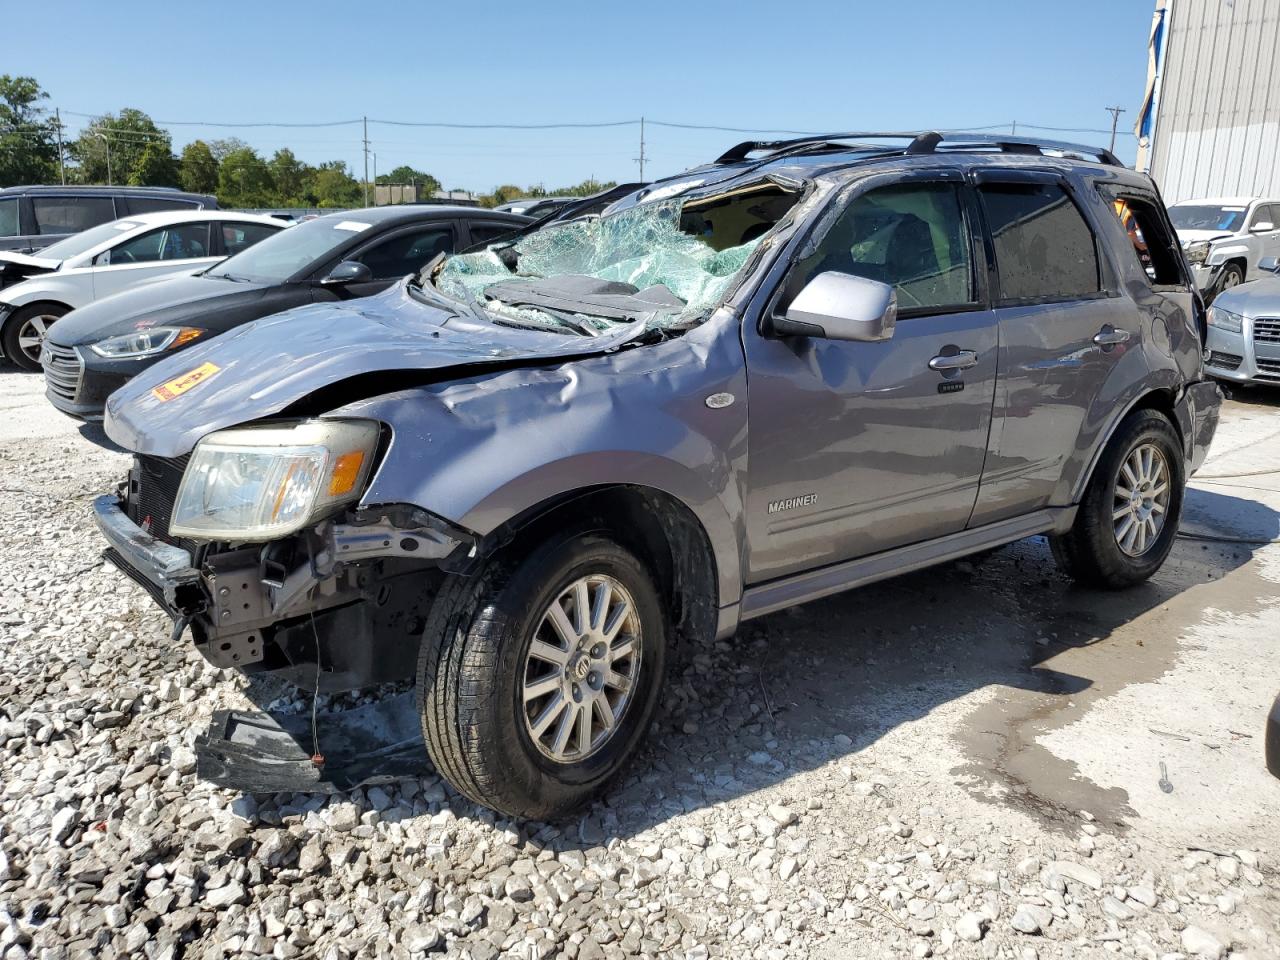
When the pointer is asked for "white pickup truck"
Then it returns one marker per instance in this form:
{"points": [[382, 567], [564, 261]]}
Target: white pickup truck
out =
{"points": [[1225, 237]]}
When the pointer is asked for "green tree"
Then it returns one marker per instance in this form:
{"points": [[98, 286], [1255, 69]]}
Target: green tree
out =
{"points": [[330, 185], [199, 168], [126, 136], [244, 180], [220, 148], [28, 150], [427, 184], [290, 176], [155, 168]]}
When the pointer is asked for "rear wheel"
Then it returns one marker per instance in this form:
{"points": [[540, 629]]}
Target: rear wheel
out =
{"points": [[1128, 519], [25, 330], [538, 678]]}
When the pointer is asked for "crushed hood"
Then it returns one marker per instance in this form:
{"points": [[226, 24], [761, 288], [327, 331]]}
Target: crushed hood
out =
{"points": [[266, 366], [1195, 236], [16, 267]]}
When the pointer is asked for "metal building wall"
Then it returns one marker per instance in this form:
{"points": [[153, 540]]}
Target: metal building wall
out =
{"points": [[1217, 130]]}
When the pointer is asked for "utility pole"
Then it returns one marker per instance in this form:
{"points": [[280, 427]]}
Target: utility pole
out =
{"points": [[107, 143], [62, 167], [366, 161], [375, 180], [1115, 121], [1014, 129], [640, 159]]}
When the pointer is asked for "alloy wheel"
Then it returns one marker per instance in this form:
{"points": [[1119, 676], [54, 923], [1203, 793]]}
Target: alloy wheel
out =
{"points": [[1141, 502], [581, 669], [31, 335]]}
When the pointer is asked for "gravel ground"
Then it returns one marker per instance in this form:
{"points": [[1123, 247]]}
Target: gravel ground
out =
{"points": [[975, 761]]}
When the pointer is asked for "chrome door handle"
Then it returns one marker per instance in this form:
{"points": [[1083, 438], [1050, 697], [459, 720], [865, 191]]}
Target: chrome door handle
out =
{"points": [[962, 360], [1109, 336]]}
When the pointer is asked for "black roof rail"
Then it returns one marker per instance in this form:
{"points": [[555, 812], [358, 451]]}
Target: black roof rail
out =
{"points": [[741, 150], [959, 140], [920, 142]]}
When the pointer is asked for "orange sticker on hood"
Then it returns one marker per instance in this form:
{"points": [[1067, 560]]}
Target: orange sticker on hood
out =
{"points": [[180, 385]]}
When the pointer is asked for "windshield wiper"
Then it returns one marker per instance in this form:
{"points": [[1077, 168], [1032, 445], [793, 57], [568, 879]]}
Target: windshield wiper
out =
{"points": [[232, 277]]}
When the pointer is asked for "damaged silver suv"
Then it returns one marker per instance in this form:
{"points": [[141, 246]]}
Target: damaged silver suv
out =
{"points": [[523, 478]]}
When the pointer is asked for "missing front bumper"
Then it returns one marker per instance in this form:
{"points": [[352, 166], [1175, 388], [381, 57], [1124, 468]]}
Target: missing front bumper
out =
{"points": [[270, 753]]}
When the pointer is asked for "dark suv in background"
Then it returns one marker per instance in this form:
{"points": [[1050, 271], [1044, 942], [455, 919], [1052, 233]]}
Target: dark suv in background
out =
{"points": [[34, 217], [526, 476]]}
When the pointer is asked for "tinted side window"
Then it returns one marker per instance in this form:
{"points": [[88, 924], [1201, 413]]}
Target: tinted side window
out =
{"points": [[486, 232], [911, 236], [158, 205], [406, 253], [242, 236], [1044, 249], [9, 217], [182, 242], [71, 214]]}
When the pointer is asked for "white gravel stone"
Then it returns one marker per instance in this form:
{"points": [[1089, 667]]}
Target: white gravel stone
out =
{"points": [[971, 926], [1201, 943]]}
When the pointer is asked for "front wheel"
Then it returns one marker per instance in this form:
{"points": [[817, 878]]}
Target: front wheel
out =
{"points": [[25, 330], [538, 678], [1129, 516]]}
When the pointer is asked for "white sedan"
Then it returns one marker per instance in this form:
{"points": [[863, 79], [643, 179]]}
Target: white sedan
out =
{"points": [[107, 259]]}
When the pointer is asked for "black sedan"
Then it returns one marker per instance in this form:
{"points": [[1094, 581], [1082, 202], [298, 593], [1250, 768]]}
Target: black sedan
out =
{"points": [[92, 351]]}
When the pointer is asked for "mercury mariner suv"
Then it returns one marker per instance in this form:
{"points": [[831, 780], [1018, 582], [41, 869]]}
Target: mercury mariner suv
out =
{"points": [[522, 478]]}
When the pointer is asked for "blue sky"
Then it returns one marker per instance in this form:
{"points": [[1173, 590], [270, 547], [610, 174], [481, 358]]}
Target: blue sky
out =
{"points": [[799, 65]]}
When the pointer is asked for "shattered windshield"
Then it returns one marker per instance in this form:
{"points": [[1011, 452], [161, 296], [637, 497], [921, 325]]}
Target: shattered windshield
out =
{"points": [[664, 264]]}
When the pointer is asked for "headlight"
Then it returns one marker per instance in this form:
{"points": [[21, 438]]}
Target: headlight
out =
{"points": [[1198, 252], [261, 483], [1226, 320], [144, 343]]}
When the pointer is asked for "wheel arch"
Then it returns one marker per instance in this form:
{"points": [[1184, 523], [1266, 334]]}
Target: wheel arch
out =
{"points": [[1162, 398], [657, 525]]}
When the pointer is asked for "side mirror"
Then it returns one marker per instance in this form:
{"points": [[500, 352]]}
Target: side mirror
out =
{"points": [[348, 271], [839, 306], [1266, 226], [1269, 264]]}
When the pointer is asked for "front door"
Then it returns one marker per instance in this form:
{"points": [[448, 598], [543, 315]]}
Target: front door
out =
{"points": [[856, 448], [166, 251]]}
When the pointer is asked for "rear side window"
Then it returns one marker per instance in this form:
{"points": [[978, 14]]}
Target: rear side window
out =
{"points": [[71, 214], [242, 236], [1044, 248], [158, 205], [9, 217], [1148, 238]]}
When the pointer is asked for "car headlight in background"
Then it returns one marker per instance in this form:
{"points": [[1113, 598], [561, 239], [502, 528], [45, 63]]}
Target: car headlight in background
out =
{"points": [[1226, 320], [144, 343], [251, 484], [1198, 252]]}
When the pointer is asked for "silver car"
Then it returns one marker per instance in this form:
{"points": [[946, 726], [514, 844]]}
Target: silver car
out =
{"points": [[525, 478], [1226, 238], [1244, 330]]}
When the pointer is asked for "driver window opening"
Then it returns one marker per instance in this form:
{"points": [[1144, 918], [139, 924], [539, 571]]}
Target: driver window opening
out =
{"points": [[910, 236]]}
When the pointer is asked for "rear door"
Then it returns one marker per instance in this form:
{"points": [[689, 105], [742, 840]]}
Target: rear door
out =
{"points": [[1061, 334], [855, 448], [181, 248]]}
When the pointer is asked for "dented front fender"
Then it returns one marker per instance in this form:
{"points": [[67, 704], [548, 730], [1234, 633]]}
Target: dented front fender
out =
{"points": [[484, 450]]}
